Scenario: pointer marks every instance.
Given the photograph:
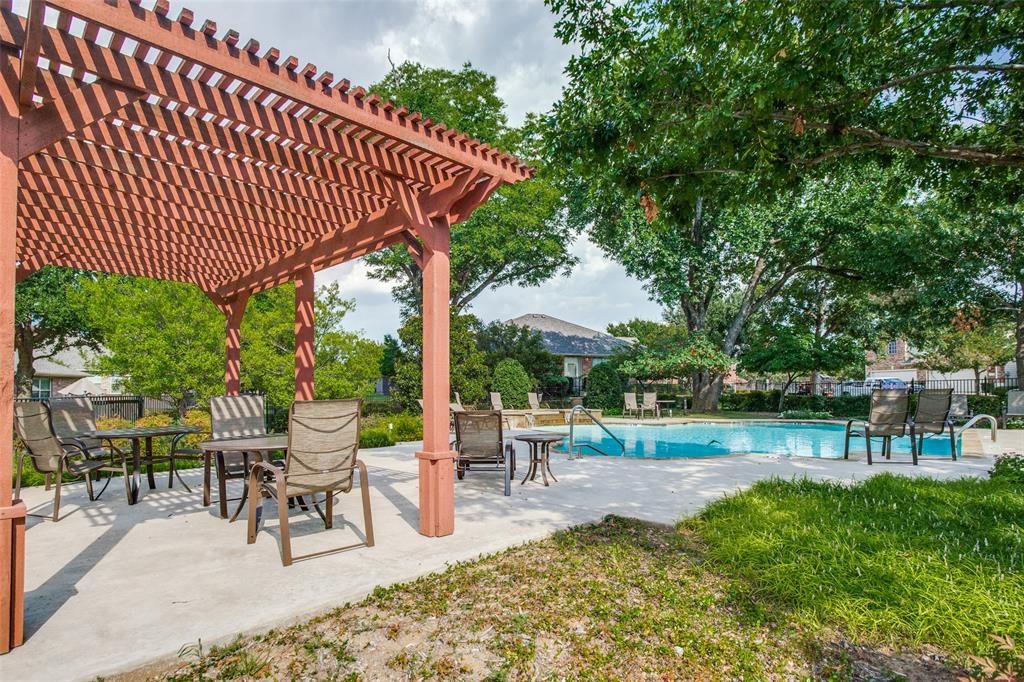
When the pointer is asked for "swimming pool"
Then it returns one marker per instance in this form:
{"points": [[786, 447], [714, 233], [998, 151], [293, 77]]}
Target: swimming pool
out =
{"points": [[711, 439]]}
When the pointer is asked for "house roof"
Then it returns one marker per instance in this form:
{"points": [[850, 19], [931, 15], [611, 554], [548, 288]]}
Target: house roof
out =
{"points": [[68, 363], [565, 338]]}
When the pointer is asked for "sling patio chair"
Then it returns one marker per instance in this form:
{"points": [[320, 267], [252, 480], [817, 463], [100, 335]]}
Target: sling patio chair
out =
{"points": [[498, 406], [52, 458], [479, 440], [933, 416], [959, 408], [533, 400], [323, 448], [231, 416], [1014, 406], [888, 417], [650, 404], [630, 404], [73, 418]]}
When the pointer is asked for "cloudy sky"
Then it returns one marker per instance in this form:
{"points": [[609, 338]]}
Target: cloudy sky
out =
{"points": [[511, 39]]}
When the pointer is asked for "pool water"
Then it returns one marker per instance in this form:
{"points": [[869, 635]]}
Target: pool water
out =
{"points": [[710, 439]]}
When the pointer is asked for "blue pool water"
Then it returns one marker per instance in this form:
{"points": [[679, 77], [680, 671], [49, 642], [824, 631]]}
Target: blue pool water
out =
{"points": [[710, 439]]}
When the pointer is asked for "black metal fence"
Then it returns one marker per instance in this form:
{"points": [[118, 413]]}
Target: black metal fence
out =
{"points": [[839, 388], [128, 407]]}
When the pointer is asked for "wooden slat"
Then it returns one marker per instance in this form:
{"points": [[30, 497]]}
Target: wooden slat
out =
{"points": [[182, 41]]}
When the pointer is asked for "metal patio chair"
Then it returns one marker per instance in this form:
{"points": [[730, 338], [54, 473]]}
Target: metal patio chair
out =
{"points": [[51, 457], [1014, 406], [479, 440], [650, 403], [630, 404], [933, 416], [887, 418], [72, 419], [323, 444]]}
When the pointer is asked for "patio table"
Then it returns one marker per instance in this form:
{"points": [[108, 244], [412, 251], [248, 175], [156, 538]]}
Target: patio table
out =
{"points": [[540, 450], [137, 434], [259, 445]]}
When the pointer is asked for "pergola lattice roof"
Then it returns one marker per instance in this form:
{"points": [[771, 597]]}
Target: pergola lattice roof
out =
{"points": [[149, 146]]}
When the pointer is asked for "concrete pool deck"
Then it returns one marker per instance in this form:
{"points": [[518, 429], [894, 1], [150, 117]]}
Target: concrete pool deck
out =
{"points": [[111, 587]]}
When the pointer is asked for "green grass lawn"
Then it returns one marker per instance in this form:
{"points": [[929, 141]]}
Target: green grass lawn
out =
{"points": [[892, 578]]}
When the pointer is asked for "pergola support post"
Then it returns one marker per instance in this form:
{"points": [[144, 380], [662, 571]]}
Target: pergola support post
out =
{"points": [[304, 290], [12, 512], [233, 313], [437, 482]]}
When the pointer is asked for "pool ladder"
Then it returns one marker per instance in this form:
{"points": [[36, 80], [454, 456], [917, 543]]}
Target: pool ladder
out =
{"points": [[576, 449]]}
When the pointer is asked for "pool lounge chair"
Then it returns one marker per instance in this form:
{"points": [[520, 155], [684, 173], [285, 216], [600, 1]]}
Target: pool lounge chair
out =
{"points": [[323, 444], [933, 416], [888, 418], [650, 404], [54, 459], [534, 401], [1014, 406], [630, 404], [479, 440]]}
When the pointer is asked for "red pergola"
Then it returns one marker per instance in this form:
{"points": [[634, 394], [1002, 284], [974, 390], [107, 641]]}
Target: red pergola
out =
{"points": [[135, 142]]}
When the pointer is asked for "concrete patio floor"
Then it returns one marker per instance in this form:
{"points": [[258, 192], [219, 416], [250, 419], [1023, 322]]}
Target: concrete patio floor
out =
{"points": [[112, 587]]}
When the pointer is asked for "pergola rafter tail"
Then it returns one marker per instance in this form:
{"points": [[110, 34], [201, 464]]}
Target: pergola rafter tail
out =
{"points": [[136, 144]]}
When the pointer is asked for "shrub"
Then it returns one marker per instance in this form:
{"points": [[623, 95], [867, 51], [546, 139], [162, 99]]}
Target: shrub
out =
{"points": [[406, 427], [805, 414], [604, 387], [375, 438], [1008, 467], [513, 383]]}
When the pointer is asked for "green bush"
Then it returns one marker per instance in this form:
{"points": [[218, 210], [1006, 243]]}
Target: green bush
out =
{"points": [[805, 414], [375, 438], [604, 387], [1008, 467], [513, 383], [986, 404], [406, 427]]}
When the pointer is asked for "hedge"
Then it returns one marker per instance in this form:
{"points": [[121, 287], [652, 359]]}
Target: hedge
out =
{"points": [[605, 387], [840, 406]]}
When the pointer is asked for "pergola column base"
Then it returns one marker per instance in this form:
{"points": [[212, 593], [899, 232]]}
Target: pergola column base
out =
{"points": [[437, 493], [12, 576]]}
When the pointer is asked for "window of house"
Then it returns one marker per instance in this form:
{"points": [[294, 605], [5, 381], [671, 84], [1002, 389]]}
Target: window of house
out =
{"points": [[571, 367], [598, 361], [892, 348], [41, 388]]}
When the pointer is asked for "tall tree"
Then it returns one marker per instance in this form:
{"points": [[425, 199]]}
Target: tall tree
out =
{"points": [[518, 237], [469, 373], [49, 318], [502, 340], [968, 344], [775, 88]]}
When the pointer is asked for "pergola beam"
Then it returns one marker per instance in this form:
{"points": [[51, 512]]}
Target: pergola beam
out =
{"points": [[187, 43]]}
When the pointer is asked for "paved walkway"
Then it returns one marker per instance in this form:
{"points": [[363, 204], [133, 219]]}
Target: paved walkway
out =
{"points": [[112, 587]]}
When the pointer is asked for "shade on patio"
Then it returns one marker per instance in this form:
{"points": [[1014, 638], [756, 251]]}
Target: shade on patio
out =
{"points": [[133, 142]]}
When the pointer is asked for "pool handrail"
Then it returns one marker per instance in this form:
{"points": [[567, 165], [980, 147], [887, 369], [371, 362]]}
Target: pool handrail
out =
{"points": [[579, 448], [977, 418]]}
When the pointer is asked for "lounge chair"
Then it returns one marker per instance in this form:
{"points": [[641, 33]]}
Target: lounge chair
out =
{"points": [[650, 404], [479, 440], [959, 409], [630, 404], [534, 400], [323, 444], [934, 407], [52, 458], [1014, 406], [888, 417], [496, 403]]}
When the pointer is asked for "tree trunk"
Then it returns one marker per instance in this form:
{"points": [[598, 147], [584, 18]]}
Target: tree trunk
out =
{"points": [[1020, 344], [782, 395], [977, 381], [707, 389], [25, 373]]}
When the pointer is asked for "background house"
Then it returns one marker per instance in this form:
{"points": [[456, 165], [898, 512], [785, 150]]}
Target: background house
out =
{"points": [[579, 348], [897, 360], [56, 373]]}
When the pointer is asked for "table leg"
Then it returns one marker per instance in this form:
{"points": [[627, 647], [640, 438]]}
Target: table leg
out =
{"points": [[245, 487], [206, 478], [543, 462], [136, 469], [531, 469], [222, 488], [547, 461], [149, 463]]}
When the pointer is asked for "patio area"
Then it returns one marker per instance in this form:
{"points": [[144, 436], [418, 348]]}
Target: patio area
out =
{"points": [[114, 587]]}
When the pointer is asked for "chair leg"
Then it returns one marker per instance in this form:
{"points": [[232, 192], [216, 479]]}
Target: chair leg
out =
{"points": [[508, 475], [46, 482], [329, 509], [364, 490], [286, 537], [913, 448], [88, 486], [180, 479], [867, 442], [127, 480], [170, 472], [952, 442], [56, 497], [17, 487], [206, 478], [255, 509]]}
